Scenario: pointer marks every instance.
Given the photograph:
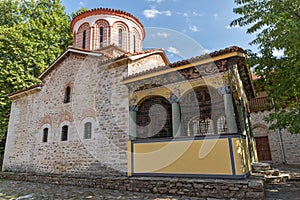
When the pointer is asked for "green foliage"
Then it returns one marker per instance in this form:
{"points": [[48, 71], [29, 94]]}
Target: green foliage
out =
{"points": [[32, 34], [276, 25]]}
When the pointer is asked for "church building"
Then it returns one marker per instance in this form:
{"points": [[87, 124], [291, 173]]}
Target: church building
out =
{"points": [[106, 107]]}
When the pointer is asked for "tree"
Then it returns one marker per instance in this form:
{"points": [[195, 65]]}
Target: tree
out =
{"points": [[32, 34], [276, 23]]}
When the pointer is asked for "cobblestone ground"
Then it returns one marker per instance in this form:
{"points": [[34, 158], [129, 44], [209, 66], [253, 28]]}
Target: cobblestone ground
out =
{"points": [[36, 191], [283, 191]]}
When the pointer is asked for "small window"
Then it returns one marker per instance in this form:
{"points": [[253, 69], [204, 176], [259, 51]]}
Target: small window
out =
{"points": [[101, 37], [45, 134], [222, 125], [120, 38], [134, 43], [67, 95], [83, 39], [64, 133], [88, 130]]}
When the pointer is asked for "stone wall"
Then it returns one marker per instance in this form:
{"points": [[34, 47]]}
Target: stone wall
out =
{"points": [[97, 96], [203, 188], [291, 142]]}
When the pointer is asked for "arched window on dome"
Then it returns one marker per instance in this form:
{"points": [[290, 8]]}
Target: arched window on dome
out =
{"points": [[120, 38], [134, 43], [101, 36], [84, 39]]}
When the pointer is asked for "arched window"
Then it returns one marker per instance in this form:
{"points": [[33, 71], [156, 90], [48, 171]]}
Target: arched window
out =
{"points": [[154, 118], [200, 126], [84, 39], [120, 38], [67, 95], [101, 36], [45, 135], [222, 125], [134, 43], [64, 133], [88, 130]]}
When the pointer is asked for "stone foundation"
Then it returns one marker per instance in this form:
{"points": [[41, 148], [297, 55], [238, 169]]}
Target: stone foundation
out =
{"points": [[205, 188]]}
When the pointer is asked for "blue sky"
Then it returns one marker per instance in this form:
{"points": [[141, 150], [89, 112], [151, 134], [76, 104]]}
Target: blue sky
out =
{"points": [[202, 22]]}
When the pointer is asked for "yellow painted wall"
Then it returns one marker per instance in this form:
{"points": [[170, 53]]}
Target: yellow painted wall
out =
{"points": [[211, 156], [129, 172], [241, 156]]}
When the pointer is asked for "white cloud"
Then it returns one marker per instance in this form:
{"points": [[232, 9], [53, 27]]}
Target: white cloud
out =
{"points": [[81, 3], [163, 34], [185, 14], [197, 14], [193, 28], [156, 1], [173, 50], [153, 12], [216, 16]]}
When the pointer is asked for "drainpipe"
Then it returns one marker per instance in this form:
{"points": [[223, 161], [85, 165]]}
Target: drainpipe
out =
{"points": [[282, 146]]}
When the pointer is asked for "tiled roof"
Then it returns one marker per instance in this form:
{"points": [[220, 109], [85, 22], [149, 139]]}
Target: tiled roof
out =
{"points": [[190, 60], [24, 90], [107, 11]]}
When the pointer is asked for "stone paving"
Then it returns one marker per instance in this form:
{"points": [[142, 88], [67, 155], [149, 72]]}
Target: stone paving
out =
{"points": [[36, 191], [283, 191]]}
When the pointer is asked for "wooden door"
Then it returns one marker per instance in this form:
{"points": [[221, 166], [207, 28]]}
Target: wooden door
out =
{"points": [[263, 148]]}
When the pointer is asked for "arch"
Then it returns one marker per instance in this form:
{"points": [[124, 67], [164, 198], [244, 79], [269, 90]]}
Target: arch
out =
{"points": [[260, 133], [87, 128], [67, 97], [121, 35], [136, 40], [84, 29], [64, 131], [200, 126], [45, 133], [201, 105], [154, 118], [260, 130], [101, 34], [222, 125]]}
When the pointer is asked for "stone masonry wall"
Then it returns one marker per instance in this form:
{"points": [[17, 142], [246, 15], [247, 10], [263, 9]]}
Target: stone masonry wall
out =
{"points": [[97, 96], [291, 142], [199, 188]]}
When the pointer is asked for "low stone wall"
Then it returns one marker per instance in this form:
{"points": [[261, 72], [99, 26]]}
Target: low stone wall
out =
{"points": [[205, 188]]}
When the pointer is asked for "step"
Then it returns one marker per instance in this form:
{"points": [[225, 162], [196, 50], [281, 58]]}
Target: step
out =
{"points": [[282, 178], [258, 167], [272, 172]]}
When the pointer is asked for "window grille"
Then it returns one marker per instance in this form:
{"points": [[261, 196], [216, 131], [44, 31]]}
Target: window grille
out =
{"points": [[155, 128]]}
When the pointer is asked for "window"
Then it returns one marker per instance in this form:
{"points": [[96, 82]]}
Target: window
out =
{"points": [[88, 130], [134, 43], [83, 39], [120, 38], [45, 134], [67, 95], [64, 133], [222, 125], [101, 37]]}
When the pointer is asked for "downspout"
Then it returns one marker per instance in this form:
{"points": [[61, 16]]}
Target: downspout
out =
{"points": [[282, 146]]}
